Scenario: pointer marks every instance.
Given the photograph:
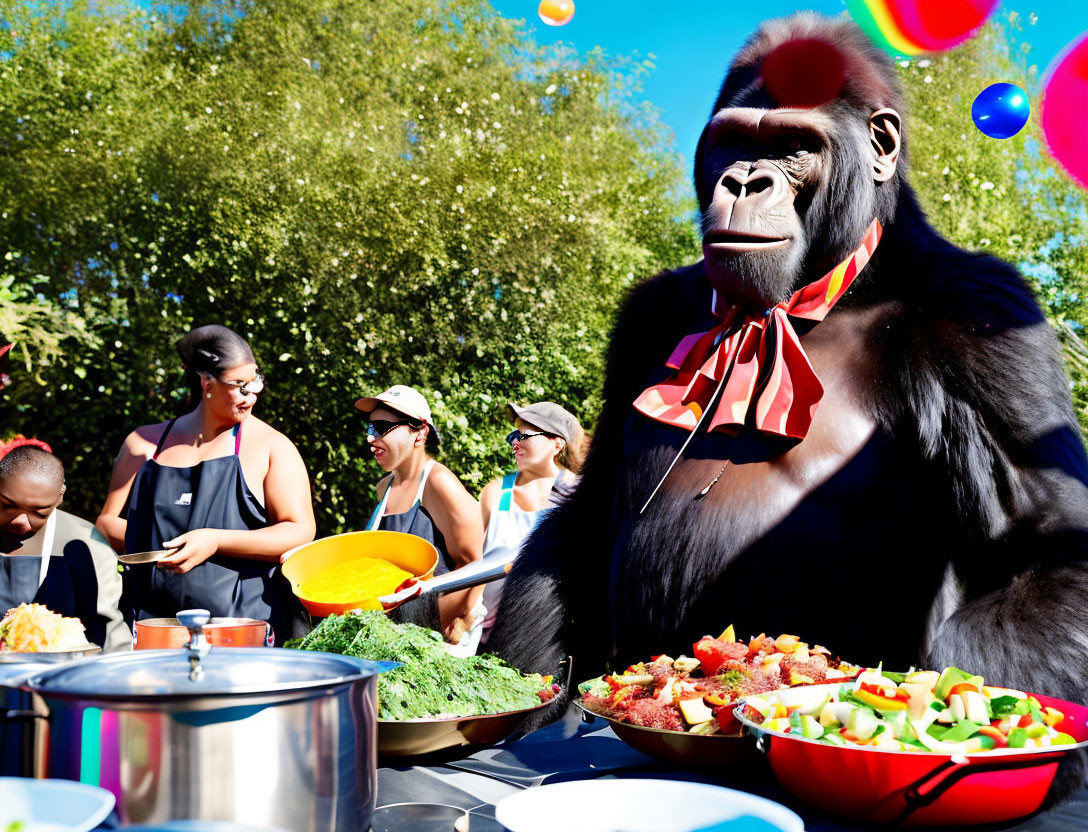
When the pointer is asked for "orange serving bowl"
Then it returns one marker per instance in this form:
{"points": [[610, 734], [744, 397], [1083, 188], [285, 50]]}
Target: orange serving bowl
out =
{"points": [[410, 553]]}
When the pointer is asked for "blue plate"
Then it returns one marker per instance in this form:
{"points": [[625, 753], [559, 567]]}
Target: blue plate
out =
{"points": [[52, 805]]}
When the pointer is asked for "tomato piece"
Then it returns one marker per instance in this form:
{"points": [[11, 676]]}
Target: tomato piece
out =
{"points": [[727, 723], [712, 653]]}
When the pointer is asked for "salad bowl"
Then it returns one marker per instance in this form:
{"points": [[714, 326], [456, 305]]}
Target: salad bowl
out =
{"points": [[910, 787]]}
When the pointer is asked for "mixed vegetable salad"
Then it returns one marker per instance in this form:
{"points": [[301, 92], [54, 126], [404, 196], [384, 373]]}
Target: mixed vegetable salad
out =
{"points": [[952, 712], [696, 694]]}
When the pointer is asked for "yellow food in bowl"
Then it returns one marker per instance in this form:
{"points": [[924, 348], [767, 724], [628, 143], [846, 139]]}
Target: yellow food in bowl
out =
{"points": [[360, 579]]}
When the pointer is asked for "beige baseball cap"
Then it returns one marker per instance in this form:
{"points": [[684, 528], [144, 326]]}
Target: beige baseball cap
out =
{"points": [[403, 399]]}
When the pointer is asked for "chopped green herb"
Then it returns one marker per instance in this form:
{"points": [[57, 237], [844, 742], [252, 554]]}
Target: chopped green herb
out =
{"points": [[430, 682], [1003, 706]]}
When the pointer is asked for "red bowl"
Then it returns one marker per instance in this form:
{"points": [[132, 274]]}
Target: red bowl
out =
{"points": [[917, 788]]}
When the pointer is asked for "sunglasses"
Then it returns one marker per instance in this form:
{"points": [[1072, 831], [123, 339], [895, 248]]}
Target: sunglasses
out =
{"points": [[380, 427], [518, 436], [254, 385]]}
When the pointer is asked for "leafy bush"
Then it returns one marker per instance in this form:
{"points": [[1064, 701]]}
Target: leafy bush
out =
{"points": [[371, 193], [1007, 197]]}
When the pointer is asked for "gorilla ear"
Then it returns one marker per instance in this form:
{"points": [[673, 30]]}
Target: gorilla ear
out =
{"points": [[885, 134]]}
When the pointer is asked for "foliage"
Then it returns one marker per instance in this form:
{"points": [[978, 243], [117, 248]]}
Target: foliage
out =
{"points": [[371, 193], [1007, 197]]}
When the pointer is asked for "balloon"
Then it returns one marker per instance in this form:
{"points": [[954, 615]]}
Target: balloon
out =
{"points": [[556, 12], [1001, 110], [1064, 114], [804, 73], [913, 27]]}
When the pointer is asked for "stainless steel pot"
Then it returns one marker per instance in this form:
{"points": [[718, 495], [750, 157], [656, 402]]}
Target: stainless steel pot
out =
{"points": [[275, 738]]}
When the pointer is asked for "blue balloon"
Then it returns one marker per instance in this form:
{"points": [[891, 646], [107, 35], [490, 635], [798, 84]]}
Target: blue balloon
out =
{"points": [[1001, 110]]}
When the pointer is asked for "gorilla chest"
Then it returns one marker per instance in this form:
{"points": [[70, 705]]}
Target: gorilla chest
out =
{"points": [[741, 513], [756, 481]]}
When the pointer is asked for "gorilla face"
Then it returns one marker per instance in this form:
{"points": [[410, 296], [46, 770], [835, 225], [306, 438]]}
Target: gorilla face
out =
{"points": [[788, 193]]}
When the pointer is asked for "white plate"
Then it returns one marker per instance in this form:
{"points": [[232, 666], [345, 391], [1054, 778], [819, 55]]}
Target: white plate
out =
{"points": [[638, 806], [52, 805]]}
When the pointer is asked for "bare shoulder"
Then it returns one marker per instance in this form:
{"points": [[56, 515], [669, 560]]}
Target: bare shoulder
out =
{"points": [[263, 434], [444, 484], [143, 441], [490, 495]]}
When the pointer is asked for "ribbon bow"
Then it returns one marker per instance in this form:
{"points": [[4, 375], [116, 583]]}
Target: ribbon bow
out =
{"points": [[768, 380]]}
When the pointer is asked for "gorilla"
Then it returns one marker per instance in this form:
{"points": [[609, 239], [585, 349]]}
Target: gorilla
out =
{"points": [[836, 424]]}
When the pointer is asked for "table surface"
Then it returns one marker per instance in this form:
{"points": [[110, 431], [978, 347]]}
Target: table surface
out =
{"points": [[573, 750]]}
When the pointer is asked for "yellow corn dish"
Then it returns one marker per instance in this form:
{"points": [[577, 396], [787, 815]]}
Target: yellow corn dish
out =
{"points": [[361, 579]]}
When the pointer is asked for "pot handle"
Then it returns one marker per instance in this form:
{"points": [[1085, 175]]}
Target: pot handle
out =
{"points": [[19, 716], [194, 621], [931, 785]]}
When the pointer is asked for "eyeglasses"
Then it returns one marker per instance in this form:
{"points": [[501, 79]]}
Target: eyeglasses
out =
{"points": [[518, 436], [254, 385], [380, 427]]}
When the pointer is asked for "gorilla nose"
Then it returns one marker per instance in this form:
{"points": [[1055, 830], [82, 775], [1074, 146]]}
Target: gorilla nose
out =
{"points": [[742, 183]]}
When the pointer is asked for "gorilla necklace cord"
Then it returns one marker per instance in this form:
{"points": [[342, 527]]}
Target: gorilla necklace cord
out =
{"points": [[756, 374]]}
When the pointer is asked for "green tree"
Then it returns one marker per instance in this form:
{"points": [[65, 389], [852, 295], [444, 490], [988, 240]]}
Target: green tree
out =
{"points": [[1006, 197], [370, 193]]}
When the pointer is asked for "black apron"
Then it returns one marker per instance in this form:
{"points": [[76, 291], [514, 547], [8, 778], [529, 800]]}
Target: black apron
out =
{"points": [[417, 521], [19, 584], [167, 502]]}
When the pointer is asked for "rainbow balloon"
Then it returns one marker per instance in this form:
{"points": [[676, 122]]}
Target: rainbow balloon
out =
{"points": [[913, 27]]}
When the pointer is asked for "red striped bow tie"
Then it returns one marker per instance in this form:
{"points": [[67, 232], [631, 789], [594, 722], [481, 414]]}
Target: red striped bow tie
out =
{"points": [[768, 380]]}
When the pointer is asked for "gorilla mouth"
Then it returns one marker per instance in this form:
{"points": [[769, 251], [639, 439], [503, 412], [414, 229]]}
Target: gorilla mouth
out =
{"points": [[727, 241]]}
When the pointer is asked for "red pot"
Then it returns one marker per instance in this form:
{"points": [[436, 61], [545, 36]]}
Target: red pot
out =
{"points": [[168, 634], [919, 788]]}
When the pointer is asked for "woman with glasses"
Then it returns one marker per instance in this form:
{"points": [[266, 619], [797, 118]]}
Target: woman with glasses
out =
{"points": [[228, 501], [423, 497], [549, 446]]}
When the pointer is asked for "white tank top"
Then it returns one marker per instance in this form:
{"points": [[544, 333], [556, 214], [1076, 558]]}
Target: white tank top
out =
{"points": [[506, 531]]}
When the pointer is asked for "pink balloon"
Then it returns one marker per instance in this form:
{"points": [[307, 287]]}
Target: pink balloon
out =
{"points": [[1064, 112]]}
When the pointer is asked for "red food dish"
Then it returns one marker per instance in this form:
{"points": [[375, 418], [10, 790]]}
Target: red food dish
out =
{"points": [[920, 789]]}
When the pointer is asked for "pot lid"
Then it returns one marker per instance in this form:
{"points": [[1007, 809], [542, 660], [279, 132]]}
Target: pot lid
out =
{"points": [[227, 671]]}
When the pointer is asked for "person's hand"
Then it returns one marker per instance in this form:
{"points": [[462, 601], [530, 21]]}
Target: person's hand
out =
{"points": [[193, 547]]}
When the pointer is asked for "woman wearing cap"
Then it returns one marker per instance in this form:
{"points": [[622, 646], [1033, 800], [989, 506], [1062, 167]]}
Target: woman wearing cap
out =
{"points": [[230, 502], [549, 447], [422, 496]]}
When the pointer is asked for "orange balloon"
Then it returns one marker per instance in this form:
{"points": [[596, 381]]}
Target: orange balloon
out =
{"points": [[556, 12]]}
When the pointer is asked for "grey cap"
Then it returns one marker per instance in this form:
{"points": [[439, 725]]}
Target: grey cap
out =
{"points": [[549, 417]]}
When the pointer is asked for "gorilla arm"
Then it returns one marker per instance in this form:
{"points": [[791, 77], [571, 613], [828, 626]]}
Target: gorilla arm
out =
{"points": [[555, 602], [992, 404]]}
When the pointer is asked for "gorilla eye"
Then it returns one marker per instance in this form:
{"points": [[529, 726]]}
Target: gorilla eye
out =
{"points": [[791, 145]]}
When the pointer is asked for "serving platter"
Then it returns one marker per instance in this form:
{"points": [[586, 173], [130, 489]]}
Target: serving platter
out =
{"points": [[415, 737], [50, 656], [146, 557], [681, 748]]}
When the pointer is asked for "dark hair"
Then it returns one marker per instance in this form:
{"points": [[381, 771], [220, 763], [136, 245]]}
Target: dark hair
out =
{"points": [[31, 461], [210, 350]]}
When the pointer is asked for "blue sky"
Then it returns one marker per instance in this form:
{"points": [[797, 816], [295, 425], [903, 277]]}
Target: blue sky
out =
{"points": [[693, 41]]}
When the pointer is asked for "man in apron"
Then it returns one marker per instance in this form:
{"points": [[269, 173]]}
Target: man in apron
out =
{"points": [[51, 557]]}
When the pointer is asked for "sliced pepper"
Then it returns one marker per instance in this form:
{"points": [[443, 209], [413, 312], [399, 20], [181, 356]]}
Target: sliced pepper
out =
{"points": [[880, 702], [1000, 740]]}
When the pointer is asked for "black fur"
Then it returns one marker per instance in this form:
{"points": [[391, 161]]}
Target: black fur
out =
{"points": [[956, 534]]}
